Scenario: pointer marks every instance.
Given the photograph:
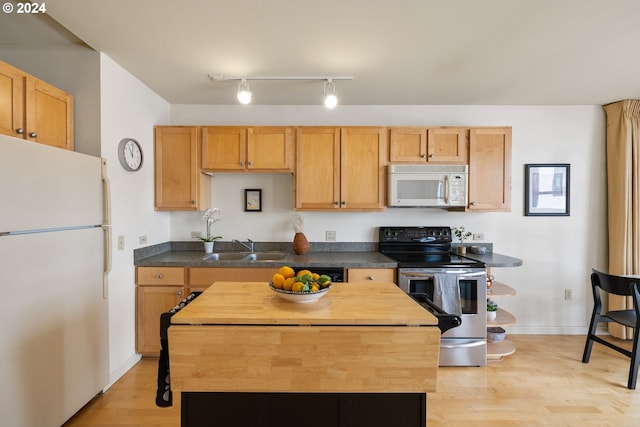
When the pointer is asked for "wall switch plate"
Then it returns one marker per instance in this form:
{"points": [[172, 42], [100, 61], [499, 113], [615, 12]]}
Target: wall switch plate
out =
{"points": [[330, 236], [568, 294], [196, 234], [142, 240], [478, 236], [121, 243]]}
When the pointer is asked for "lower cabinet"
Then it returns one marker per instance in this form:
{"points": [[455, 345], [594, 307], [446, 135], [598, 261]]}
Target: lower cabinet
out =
{"points": [[158, 289], [374, 275]]}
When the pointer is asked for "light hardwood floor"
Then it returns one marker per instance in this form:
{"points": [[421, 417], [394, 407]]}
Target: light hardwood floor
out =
{"points": [[543, 384]]}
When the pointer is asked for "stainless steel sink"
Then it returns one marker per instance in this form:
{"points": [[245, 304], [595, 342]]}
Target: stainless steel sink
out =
{"points": [[244, 256], [264, 256], [225, 256]]}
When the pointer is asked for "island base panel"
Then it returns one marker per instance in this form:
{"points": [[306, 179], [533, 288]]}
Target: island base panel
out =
{"points": [[213, 409]]}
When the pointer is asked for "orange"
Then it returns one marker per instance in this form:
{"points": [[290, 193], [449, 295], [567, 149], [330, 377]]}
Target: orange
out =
{"points": [[303, 272], [286, 271], [314, 288], [278, 280], [288, 283], [297, 287], [315, 276]]}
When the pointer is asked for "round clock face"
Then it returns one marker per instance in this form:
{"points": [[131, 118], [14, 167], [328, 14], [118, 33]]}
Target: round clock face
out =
{"points": [[130, 154]]}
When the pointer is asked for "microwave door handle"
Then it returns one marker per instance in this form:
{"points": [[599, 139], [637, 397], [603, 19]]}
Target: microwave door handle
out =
{"points": [[446, 189]]}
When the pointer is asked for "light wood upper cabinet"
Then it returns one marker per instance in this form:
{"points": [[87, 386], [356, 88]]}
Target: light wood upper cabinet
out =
{"points": [[34, 110], [340, 168], [263, 149], [490, 169], [432, 145], [179, 183]]}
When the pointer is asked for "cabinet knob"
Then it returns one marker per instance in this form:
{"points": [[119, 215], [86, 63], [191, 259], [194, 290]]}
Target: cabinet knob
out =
{"points": [[423, 155], [160, 276], [344, 203], [20, 131], [431, 156], [336, 203], [193, 202], [370, 277], [250, 163], [242, 164], [33, 134], [472, 203], [179, 293]]}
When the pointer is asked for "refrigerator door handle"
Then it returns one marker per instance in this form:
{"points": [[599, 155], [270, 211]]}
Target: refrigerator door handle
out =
{"points": [[106, 227]]}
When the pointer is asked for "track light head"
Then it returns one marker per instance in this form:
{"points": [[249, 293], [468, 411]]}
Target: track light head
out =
{"points": [[330, 98], [244, 93]]}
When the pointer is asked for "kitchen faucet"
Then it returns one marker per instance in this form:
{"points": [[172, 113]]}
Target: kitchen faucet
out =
{"points": [[248, 245]]}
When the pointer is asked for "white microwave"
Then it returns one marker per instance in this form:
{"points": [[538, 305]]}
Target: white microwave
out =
{"points": [[427, 185]]}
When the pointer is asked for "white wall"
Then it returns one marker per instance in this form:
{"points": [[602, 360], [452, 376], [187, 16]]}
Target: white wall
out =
{"points": [[558, 252], [128, 109]]}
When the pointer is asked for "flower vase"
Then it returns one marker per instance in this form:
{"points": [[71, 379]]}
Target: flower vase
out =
{"points": [[462, 249], [491, 315], [208, 247], [300, 244]]}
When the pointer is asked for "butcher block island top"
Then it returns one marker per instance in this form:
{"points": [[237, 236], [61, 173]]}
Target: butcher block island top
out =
{"points": [[254, 303], [358, 338]]}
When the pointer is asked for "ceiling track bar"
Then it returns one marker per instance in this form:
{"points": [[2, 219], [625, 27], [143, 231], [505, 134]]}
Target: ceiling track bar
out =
{"points": [[222, 78]]}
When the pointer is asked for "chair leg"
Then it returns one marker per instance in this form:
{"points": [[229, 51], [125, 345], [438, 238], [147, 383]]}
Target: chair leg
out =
{"points": [[635, 361], [595, 318]]}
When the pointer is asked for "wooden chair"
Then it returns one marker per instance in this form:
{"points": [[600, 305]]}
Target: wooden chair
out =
{"points": [[623, 286]]}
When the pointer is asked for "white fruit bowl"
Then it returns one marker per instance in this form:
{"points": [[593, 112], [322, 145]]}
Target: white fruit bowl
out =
{"points": [[299, 297]]}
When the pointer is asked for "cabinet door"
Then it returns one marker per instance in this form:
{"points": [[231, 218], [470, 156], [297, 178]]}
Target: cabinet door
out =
{"points": [[490, 169], [447, 145], [11, 101], [179, 184], [151, 302], [224, 148], [362, 168], [49, 114], [408, 144], [269, 149], [317, 168]]}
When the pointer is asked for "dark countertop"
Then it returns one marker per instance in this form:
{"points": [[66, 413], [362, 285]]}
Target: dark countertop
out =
{"points": [[342, 255], [492, 259], [312, 259]]}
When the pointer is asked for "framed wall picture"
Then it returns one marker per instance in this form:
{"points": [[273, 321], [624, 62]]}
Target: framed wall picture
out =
{"points": [[253, 200], [546, 189]]}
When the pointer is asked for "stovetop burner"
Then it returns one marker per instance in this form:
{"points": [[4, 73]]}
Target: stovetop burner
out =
{"points": [[416, 247]]}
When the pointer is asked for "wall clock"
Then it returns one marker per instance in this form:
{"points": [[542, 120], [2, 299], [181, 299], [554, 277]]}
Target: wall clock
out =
{"points": [[130, 154]]}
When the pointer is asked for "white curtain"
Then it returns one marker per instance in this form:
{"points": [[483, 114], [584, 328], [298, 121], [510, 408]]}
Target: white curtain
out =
{"points": [[623, 179]]}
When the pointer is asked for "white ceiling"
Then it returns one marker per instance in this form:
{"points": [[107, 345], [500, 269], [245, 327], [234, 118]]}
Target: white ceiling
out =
{"points": [[401, 52]]}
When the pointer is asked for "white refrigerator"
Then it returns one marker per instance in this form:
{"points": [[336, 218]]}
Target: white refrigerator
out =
{"points": [[54, 225]]}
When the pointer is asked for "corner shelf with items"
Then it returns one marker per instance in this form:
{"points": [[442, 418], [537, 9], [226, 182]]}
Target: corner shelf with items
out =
{"points": [[497, 350]]}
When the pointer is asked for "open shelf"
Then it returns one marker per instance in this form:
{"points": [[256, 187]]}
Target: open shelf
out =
{"points": [[499, 289], [497, 350], [503, 318]]}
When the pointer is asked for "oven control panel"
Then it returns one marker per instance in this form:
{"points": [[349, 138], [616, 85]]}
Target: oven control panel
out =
{"points": [[415, 234]]}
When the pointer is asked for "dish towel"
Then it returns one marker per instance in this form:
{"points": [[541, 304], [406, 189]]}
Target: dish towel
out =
{"points": [[446, 293]]}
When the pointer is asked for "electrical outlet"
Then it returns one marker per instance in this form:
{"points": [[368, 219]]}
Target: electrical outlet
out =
{"points": [[568, 294], [478, 236], [330, 236], [142, 240], [121, 243], [196, 234]]}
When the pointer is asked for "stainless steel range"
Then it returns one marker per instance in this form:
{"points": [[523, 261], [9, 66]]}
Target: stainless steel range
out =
{"points": [[434, 276]]}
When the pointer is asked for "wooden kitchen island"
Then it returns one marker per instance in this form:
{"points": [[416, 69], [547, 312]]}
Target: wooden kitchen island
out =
{"points": [[363, 355]]}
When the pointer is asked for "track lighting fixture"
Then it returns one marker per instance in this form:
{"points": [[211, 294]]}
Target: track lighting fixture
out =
{"points": [[244, 93], [330, 98]]}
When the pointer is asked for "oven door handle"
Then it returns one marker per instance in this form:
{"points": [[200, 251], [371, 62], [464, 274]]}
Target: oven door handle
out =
{"points": [[445, 343], [461, 273]]}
